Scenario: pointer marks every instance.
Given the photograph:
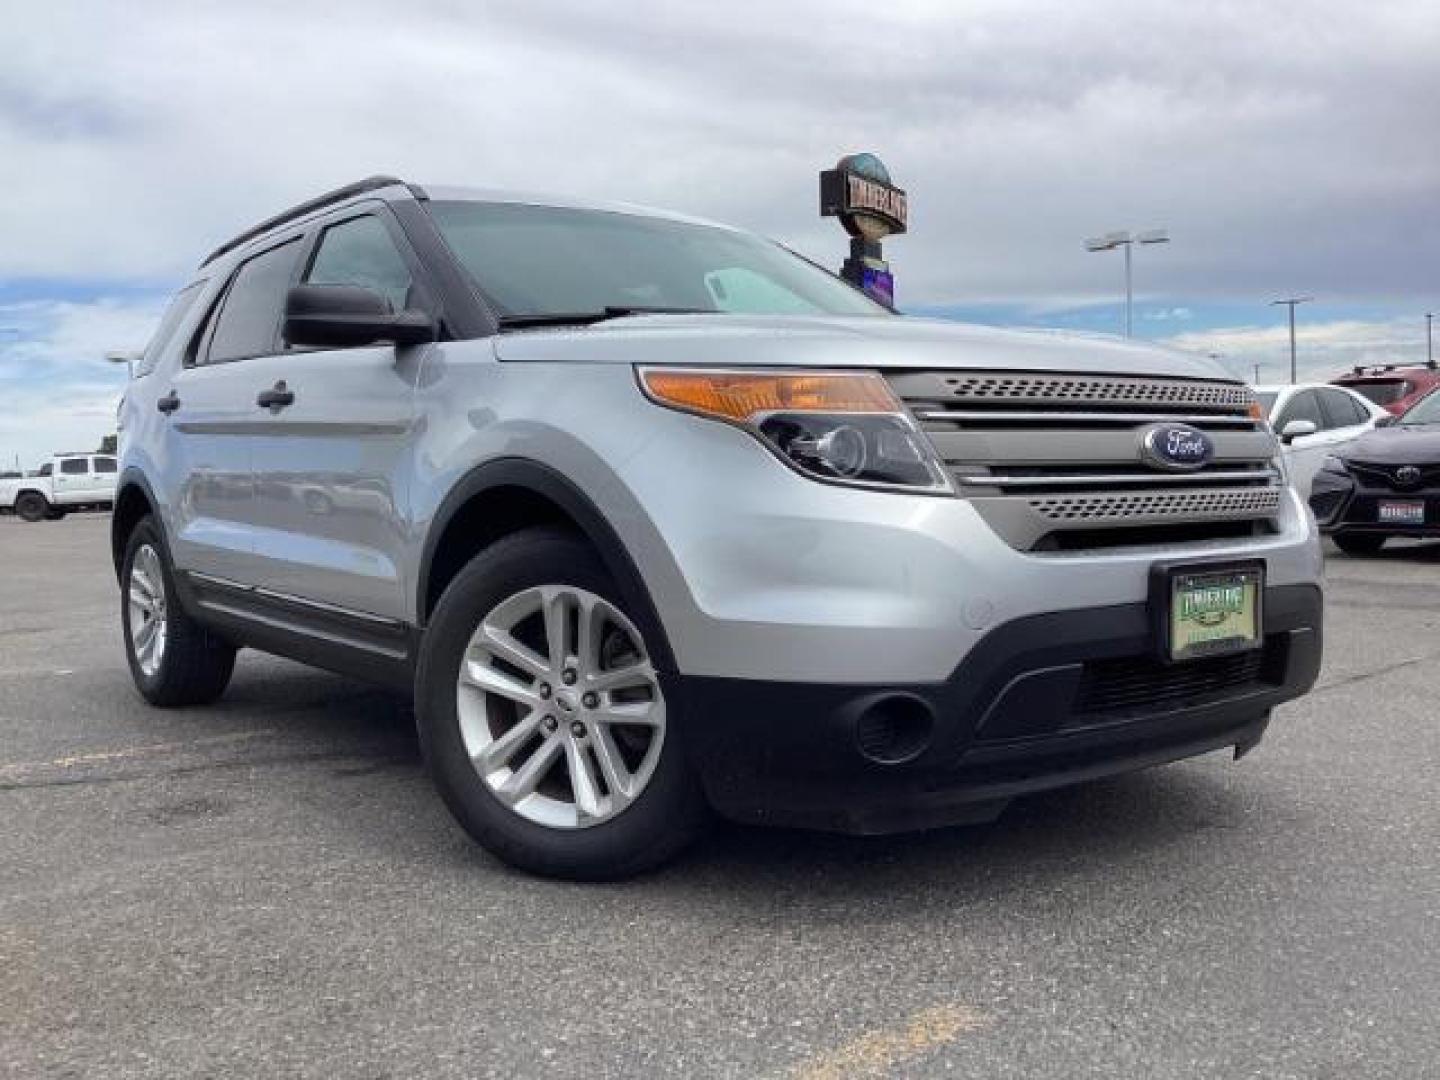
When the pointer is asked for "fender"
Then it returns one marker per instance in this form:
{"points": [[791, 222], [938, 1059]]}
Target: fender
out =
{"points": [[131, 476], [514, 472]]}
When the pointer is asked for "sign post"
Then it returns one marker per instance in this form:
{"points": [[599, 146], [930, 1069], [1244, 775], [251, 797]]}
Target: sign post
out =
{"points": [[858, 191]]}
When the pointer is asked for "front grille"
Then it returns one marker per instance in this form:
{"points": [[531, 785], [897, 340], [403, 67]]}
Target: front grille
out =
{"points": [[1143, 683], [1102, 390], [1041, 454], [1387, 476], [1191, 505]]}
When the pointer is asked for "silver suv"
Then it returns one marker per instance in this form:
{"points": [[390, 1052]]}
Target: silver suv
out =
{"points": [[656, 518]]}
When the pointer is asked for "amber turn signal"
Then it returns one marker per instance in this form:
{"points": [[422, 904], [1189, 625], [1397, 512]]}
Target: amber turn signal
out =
{"points": [[739, 396]]}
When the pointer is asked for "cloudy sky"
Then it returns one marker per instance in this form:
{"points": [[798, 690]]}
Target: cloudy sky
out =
{"points": [[1290, 148]]}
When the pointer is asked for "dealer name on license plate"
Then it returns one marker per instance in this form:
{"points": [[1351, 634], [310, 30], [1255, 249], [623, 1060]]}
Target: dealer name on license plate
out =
{"points": [[1214, 612], [1402, 513]]}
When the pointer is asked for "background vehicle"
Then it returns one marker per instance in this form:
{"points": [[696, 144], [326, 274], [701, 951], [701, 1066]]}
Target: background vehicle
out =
{"points": [[654, 517], [1394, 387], [1384, 484], [66, 482], [1312, 420]]}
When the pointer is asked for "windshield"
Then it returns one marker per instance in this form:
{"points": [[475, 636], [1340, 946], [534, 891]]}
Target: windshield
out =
{"points": [[1380, 391], [1267, 400], [546, 260], [1425, 411]]}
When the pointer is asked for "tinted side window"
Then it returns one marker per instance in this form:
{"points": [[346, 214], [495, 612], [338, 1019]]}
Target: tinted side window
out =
{"points": [[179, 307], [1302, 406], [104, 464], [46, 469], [74, 466], [1341, 409], [361, 252], [250, 313]]}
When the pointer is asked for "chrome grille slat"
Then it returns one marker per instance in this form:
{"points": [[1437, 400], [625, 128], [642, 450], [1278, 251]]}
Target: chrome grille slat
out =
{"points": [[1049, 480], [1041, 454], [1003, 416]]}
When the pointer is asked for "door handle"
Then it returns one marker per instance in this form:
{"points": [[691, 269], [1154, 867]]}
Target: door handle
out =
{"points": [[277, 397], [169, 403]]}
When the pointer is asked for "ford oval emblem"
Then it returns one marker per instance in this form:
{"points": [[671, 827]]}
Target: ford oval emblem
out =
{"points": [[1176, 447]]}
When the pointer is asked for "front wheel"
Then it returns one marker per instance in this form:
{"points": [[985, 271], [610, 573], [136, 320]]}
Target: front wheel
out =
{"points": [[31, 506], [542, 718], [1359, 543]]}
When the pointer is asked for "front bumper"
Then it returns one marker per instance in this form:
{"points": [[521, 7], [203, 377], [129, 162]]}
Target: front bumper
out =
{"points": [[1341, 505], [1040, 702]]}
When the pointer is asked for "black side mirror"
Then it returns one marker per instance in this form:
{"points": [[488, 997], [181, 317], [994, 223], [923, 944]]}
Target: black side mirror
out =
{"points": [[1389, 420], [348, 315]]}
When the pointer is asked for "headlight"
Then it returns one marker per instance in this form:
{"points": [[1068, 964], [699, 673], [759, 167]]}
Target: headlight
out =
{"points": [[840, 427]]}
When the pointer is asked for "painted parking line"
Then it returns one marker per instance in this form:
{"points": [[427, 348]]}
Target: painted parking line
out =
{"points": [[17, 772], [875, 1053]]}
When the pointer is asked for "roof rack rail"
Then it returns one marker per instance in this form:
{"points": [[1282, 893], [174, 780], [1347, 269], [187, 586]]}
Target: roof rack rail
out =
{"points": [[359, 187]]}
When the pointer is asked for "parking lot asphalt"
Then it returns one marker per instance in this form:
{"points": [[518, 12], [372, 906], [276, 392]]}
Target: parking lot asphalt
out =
{"points": [[269, 887]]}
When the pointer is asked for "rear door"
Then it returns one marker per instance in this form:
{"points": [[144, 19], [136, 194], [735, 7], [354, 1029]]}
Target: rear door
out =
{"points": [[105, 472], [332, 467], [72, 482], [212, 417]]}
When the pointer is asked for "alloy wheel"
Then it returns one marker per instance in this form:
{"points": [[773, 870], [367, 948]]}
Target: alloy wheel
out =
{"points": [[559, 706], [148, 623]]}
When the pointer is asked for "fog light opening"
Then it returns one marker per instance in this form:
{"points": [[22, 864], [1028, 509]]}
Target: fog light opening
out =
{"points": [[894, 729]]}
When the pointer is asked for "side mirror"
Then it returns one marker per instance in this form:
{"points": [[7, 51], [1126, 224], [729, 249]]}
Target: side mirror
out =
{"points": [[1297, 429], [347, 315], [1388, 420]]}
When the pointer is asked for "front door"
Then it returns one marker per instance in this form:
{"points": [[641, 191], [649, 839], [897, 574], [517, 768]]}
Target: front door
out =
{"points": [[332, 462]]}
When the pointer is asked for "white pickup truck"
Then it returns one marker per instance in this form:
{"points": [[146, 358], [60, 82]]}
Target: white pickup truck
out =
{"points": [[66, 482]]}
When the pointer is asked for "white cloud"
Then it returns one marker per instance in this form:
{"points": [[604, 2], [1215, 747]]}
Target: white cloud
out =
{"points": [[1283, 152], [1322, 350]]}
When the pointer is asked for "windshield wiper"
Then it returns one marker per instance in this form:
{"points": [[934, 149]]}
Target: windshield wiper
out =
{"points": [[587, 318]]}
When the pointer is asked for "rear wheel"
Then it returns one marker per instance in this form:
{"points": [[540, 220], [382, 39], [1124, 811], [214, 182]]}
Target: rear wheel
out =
{"points": [[543, 720], [1359, 543], [173, 659], [31, 506]]}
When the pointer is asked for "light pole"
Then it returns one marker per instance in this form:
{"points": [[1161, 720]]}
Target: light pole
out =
{"points": [[1291, 303], [1429, 341], [1111, 241]]}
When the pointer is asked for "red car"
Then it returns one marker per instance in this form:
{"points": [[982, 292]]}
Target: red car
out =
{"points": [[1393, 387]]}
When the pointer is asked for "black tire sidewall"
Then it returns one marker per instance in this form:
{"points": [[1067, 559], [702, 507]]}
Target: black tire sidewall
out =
{"points": [[647, 832], [26, 501]]}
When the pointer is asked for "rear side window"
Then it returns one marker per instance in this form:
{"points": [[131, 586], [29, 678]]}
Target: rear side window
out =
{"points": [[1382, 391], [1341, 410], [74, 466], [249, 318], [178, 308], [104, 464], [361, 252]]}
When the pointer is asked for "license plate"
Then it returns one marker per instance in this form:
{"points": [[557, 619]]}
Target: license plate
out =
{"points": [[1402, 513], [1214, 611]]}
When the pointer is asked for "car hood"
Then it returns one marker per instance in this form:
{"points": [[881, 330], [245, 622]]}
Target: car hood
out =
{"points": [[1418, 444], [844, 342]]}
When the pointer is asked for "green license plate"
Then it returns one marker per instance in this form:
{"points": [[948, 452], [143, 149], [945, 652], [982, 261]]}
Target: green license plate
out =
{"points": [[1213, 612]]}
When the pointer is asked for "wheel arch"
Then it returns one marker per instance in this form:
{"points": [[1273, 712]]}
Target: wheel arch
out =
{"points": [[134, 500], [502, 496]]}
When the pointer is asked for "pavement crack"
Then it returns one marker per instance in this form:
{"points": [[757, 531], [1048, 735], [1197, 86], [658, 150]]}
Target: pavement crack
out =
{"points": [[1365, 676]]}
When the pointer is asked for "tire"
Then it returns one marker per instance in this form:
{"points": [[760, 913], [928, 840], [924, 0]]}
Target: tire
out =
{"points": [[31, 506], [640, 804], [1359, 543], [188, 664]]}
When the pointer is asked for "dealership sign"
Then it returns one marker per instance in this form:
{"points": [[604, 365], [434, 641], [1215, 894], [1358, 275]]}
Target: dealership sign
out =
{"points": [[860, 193]]}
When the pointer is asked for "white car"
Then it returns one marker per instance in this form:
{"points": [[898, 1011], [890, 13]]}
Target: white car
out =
{"points": [[66, 482], [1312, 420]]}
